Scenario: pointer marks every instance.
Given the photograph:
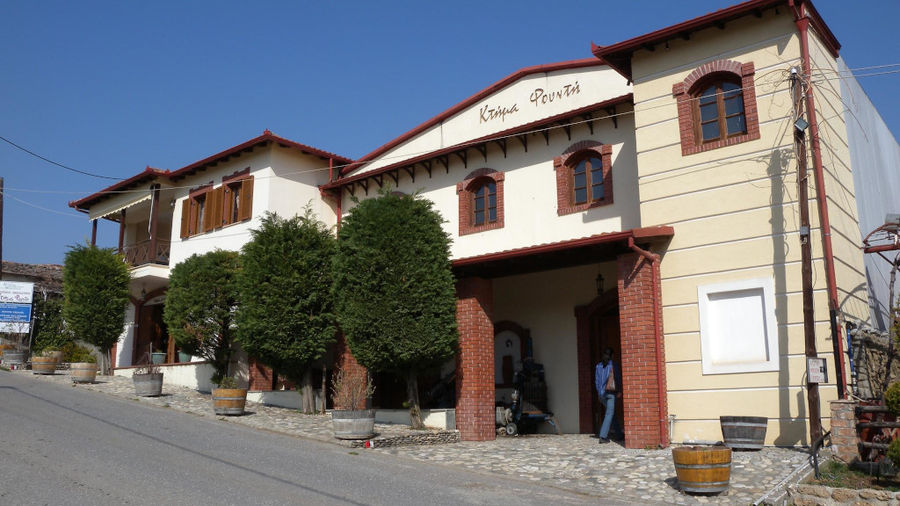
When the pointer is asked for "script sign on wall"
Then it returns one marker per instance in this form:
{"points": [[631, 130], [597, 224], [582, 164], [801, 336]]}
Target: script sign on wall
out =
{"points": [[15, 306]]}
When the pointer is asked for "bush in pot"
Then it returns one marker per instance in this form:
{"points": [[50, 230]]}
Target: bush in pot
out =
{"points": [[147, 381], [350, 391], [85, 369], [228, 398]]}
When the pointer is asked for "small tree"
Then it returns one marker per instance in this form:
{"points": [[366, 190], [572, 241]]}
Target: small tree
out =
{"points": [[200, 306], [95, 286], [286, 318], [49, 330], [394, 290]]}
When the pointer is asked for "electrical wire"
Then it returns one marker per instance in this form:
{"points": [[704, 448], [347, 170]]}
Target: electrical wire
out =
{"points": [[32, 153]]}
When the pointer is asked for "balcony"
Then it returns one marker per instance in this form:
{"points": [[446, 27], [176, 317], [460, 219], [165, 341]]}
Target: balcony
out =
{"points": [[140, 254]]}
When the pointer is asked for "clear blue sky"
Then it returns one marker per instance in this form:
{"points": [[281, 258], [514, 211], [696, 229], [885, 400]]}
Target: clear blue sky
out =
{"points": [[111, 87]]}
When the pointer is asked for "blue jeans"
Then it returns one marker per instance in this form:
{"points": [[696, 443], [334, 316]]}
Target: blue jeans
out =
{"points": [[609, 401]]}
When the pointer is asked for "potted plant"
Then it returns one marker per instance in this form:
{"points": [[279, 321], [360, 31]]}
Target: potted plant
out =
{"points": [[228, 399], [158, 357], [42, 364], [84, 370], [349, 392], [147, 381]]}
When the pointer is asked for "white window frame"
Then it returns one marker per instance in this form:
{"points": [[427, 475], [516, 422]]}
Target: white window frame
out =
{"points": [[770, 326]]}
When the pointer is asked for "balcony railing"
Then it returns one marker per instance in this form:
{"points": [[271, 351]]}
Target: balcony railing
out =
{"points": [[140, 254]]}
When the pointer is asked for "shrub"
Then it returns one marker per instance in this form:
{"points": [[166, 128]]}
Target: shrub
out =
{"points": [[395, 295], [73, 352], [892, 398], [95, 285], [200, 306], [286, 319], [49, 331]]}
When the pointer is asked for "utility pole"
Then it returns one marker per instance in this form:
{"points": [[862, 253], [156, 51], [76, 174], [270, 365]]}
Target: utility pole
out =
{"points": [[809, 322]]}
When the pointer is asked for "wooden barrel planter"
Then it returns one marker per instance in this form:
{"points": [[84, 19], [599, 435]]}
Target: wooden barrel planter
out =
{"points": [[703, 469], [83, 372], [353, 424], [744, 432], [229, 401], [148, 385], [43, 365]]}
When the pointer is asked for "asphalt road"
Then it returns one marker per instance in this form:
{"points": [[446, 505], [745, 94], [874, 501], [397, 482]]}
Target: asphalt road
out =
{"points": [[63, 445]]}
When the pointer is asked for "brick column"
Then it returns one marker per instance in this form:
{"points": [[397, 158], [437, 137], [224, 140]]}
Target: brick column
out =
{"points": [[353, 371], [475, 395], [586, 391], [260, 377], [640, 384], [844, 439]]}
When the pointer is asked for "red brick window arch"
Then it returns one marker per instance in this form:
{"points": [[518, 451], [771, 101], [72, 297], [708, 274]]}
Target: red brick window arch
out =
{"points": [[717, 106], [480, 201], [583, 177]]}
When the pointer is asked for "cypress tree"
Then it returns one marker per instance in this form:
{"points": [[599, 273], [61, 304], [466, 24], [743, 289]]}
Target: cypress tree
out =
{"points": [[395, 295], [286, 317]]}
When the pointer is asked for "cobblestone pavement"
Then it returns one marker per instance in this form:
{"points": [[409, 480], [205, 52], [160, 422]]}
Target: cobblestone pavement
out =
{"points": [[572, 462]]}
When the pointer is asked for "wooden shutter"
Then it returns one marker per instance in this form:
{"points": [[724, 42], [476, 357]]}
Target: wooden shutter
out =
{"points": [[245, 207], [217, 198], [185, 218]]}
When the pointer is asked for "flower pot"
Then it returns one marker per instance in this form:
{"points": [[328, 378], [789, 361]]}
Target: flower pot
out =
{"points": [[744, 432], [83, 372], [703, 469], [43, 365], [353, 424], [184, 357], [229, 401], [158, 358], [148, 385]]}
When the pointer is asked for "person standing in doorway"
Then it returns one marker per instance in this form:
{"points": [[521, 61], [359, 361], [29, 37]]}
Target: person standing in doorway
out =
{"points": [[608, 381]]}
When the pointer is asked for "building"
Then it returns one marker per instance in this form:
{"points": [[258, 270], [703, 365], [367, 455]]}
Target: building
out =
{"points": [[643, 199]]}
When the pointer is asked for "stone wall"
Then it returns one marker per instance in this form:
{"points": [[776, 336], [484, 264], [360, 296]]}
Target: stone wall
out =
{"points": [[870, 354], [844, 438], [804, 495]]}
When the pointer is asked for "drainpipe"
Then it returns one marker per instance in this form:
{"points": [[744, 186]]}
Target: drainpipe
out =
{"points": [[802, 22], [653, 258]]}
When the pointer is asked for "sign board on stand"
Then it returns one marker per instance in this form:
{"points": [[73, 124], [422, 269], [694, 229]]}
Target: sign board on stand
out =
{"points": [[15, 306]]}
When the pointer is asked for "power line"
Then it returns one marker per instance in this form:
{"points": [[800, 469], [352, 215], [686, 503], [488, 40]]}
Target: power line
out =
{"points": [[32, 153]]}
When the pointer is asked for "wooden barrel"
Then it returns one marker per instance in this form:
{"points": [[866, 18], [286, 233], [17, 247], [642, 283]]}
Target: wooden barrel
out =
{"points": [[744, 432], [148, 385], [83, 372], [353, 424], [702, 469], [43, 365], [229, 401]]}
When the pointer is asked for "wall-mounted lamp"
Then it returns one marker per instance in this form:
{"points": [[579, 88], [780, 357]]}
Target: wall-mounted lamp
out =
{"points": [[143, 293], [801, 124], [172, 203], [599, 282]]}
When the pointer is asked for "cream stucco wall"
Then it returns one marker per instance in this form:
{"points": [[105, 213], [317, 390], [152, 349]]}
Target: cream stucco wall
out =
{"points": [[531, 98], [735, 215], [530, 191]]}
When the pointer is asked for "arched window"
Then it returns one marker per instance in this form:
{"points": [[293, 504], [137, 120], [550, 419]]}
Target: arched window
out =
{"points": [[719, 110], [480, 201], [583, 177], [484, 202], [717, 106]]}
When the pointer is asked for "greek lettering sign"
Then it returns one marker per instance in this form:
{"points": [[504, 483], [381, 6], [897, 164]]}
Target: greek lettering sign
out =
{"points": [[16, 292], [15, 306]]}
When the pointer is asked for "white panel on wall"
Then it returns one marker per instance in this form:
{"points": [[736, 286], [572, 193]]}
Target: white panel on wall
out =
{"points": [[738, 332]]}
